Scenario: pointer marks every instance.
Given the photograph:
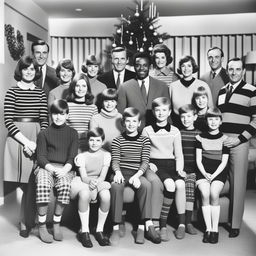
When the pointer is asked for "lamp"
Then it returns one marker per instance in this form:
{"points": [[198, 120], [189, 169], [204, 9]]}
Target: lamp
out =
{"points": [[250, 59]]}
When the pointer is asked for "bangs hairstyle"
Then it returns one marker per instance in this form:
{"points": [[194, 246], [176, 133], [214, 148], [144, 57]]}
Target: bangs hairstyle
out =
{"points": [[23, 63], [109, 94], [186, 109], [59, 107], [96, 132], [88, 96], [92, 60], [161, 101], [164, 49], [131, 112], [199, 92], [213, 112], [185, 59], [65, 63]]}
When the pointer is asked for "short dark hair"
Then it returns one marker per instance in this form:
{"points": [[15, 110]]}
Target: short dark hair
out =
{"points": [[213, 112], [187, 108], [160, 101], [96, 132], [91, 60], [186, 59], [131, 112], [25, 62], [65, 63], [236, 59], [39, 42], [143, 55], [216, 48], [164, 49], [59, 107], [109, 94], [88, 96]]}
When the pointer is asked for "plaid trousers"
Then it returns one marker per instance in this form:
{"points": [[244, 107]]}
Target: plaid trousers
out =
{"points": [[45, 181], [190, 186]]}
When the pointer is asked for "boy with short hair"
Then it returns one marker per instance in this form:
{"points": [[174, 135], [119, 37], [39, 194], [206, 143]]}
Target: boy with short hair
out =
{"points": [[188, 117], [166, 154], [130, 159], [57, 147]]}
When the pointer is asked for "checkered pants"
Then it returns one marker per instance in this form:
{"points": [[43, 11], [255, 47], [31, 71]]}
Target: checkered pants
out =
{"points": [[45, 181], [190, 185]]}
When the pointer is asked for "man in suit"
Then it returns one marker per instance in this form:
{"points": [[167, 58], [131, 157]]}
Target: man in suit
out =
{"points": [[237, 102], [48, 80], [217, 77], [139, 92], [119, 74]]}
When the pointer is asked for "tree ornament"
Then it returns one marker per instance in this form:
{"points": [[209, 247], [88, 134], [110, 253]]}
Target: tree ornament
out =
{"points": [[151, 27], [137, 14], [119, 31], [144, 38], [155, 33], [160, 40], [141, 49]]}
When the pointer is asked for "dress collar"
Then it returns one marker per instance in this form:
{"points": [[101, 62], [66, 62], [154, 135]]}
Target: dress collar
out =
{"points": [[23, 86], [156, 128]]}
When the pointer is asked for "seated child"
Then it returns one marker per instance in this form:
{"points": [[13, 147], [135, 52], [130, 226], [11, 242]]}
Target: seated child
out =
{"points": [[188, 135], [130, 159], [200, 101], [211, 158], [90, 184], [57, 147], [166, 154]]}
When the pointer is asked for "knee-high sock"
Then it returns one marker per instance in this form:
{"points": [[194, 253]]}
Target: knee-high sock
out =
{"points": [[168, 199], [215, 211], [84, 217], [102, 216], [207, 217]]}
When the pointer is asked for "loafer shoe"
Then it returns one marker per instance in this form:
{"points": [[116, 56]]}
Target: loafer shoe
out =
{"points": [[86, 240], [152, 235]]}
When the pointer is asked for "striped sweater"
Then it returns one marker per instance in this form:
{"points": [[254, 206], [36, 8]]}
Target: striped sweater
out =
{"points": [[239, 113], [20, 103], [165, 74], [130, 153]]}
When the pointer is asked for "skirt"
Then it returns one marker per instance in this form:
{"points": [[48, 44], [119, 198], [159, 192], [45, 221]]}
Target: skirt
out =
{"points": [[17, 164]]}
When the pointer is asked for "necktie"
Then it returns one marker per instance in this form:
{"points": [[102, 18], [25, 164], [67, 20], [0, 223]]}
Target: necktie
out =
{"points": [[143, 91], [39, 81], [118, 81], [229, 93], [213, 75]]}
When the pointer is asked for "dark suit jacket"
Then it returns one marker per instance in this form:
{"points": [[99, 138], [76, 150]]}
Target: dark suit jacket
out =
{"points": [[109, 80], [51, 80], [217, 83], [129, 95]]}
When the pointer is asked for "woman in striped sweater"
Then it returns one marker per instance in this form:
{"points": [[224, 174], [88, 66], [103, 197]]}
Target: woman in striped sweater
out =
{"points": [[25, 113], [81, 109]]}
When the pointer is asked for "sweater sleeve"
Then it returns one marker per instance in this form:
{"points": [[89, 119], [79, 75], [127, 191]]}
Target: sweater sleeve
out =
{"points": [[73, 149], [178, 152], [145, 154], [116, 155], [107, 159], [43, 113], [41, 149]]}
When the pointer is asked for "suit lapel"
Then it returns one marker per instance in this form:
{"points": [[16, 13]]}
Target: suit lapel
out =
{"points": [[152, 90]]}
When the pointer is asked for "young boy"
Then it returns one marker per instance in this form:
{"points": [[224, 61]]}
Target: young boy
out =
{"points": [[166, 154], [90, 184], [130, 158], [56, 148], [188, 133]]}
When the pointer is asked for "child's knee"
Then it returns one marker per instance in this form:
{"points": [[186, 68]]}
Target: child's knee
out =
{"points": [[169, 185]]}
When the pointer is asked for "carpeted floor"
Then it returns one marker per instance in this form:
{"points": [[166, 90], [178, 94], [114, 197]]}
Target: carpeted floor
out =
{"points": [[11, 244]]}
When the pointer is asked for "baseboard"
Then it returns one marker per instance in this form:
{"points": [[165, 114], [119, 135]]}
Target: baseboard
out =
{"points": [[1, 200]]}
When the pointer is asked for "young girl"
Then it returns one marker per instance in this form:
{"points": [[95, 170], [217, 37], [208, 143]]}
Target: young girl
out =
{"points": [[93, 166], [200, 101], [211, 159], [109, 118], [81, 109]]}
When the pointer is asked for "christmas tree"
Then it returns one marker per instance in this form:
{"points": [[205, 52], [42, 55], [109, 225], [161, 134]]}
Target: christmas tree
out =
{"points": [[139, 31]]}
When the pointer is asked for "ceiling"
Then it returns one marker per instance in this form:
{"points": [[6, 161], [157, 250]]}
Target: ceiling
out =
{"points": [[114, 8]]}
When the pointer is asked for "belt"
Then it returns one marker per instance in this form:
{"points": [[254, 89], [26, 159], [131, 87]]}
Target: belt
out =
{"points": [[25, 119]]}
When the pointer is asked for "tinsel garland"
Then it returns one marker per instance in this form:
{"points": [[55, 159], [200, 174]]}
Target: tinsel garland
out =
{"points": [[15, 43]]}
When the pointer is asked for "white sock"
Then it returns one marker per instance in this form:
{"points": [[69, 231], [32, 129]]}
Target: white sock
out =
{"points": [[148, 223], [116, 227], [102, 216], [42, 218], [207, 217], [57, 218], [141, 227], [84, 217], [215, 211]]}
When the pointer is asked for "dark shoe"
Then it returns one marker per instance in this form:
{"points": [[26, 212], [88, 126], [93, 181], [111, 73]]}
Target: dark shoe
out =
{"points": [[24, 232], [86, 240], [152, 235], [234, 232], [102, 240], [214, 237], [206, 237]]}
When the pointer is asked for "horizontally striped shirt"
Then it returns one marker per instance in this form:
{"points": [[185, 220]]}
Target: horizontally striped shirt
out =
{"points": [[80, 115], [212, 145], [165, 74], [189, 149], [239, 113], [130, 153], [21, 103]]}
